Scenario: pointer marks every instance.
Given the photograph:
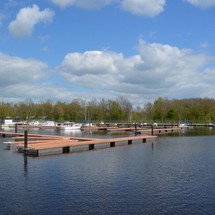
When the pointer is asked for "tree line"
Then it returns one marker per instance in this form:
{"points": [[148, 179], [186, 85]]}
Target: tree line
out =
{"points": [[118, 110]]}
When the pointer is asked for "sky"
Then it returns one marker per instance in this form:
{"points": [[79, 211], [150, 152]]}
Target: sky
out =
{"points": [[61, 50]]}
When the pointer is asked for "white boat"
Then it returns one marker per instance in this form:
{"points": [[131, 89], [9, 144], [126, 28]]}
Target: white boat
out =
{"points": [[183, 125], [34, 123], [47, 123], [70, 126], [211, 125], [8, 123]]}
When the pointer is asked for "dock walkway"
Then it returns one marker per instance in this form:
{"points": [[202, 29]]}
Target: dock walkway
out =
{"points": [[40, 145]]}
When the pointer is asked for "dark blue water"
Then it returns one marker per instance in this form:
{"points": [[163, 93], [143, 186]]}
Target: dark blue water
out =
{"points": [[175, 175]]}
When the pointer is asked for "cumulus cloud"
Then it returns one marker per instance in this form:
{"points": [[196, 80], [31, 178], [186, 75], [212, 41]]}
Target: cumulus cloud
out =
{"points": [[81, 68], [172, 70], [88, 4], [137, 7], [37, 92], [19, 76], [202, 3], [27, 18], [30, 78], [144, 7], [157, 70], [15, 70]]}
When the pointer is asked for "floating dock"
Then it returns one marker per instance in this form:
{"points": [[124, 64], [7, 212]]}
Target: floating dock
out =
{"points": [[41, 145]]}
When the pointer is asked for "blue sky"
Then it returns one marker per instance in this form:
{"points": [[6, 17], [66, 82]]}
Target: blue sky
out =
{"points": [[92, 49]]}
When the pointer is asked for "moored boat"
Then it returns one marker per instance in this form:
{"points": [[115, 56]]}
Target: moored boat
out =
{"points": [[47, 123], [8, 123], [70, 126], [183, 125], [210, 125]]}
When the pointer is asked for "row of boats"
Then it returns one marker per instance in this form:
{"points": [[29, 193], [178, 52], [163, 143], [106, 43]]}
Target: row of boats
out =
{"points": [[64, 126], [68, 125]]}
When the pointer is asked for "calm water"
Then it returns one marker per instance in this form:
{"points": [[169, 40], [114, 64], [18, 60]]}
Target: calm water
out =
{"points": [[175, 175]]}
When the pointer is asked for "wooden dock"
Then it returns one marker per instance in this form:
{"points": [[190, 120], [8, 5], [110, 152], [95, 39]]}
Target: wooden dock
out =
{"points": [[145, 131], [41, 145]]}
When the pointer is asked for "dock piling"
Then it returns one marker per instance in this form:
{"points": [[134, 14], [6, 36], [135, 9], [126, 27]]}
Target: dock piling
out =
{"points": [[152, 130], [112, 144], [25, 140], [91, 146], [16, 126], [66, 149]]}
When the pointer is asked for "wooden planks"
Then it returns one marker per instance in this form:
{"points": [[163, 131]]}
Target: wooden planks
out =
{"points": [[69, 142], [40, 145]]}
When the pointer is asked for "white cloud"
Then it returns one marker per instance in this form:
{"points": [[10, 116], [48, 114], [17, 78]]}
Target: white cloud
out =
{"points": [[172, 71], [157, 70], [19, 76], [137, 7], [30, 79], [26, 20], [88, 4], [149, 8], [144, 7], [15, 70], [92, 68], [202, 3]]}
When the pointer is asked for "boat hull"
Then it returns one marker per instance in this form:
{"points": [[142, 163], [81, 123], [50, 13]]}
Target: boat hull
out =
{"points": [[72, 127]]}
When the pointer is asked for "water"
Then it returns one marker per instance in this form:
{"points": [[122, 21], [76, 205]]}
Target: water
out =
{"points": [[175, 175]]}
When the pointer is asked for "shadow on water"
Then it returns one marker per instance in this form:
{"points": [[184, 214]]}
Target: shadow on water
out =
{"points": [[196, 131], [25, 158]]}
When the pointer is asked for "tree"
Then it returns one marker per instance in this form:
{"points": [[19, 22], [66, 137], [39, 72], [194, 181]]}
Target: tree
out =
{"points": [[126, 108], [172, 114]]}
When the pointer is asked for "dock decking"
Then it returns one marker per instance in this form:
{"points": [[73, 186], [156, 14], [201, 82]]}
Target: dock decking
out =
{"points": [[40, 145]]}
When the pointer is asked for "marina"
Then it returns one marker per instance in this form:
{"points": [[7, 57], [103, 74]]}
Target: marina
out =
{"points": [[107, 107], [174, 174], [42, 145]]}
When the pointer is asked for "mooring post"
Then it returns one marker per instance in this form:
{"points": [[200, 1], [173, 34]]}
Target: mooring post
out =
{"points": [[135, 129], [91, 146], [16, 128], [25, 140], [152, 131], [112, 144]]}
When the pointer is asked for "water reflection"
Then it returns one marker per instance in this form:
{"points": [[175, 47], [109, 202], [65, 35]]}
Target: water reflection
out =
{"points": [[25, 156], [71, 132], [152, 146], [174, 174]]}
